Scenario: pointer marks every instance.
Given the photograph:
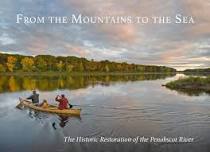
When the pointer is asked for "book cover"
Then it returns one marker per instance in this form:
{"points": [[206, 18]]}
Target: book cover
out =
{"points": [[104, 76]]}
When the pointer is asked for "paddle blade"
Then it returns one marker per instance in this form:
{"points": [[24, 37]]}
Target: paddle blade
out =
{"points": [[70, 106]]}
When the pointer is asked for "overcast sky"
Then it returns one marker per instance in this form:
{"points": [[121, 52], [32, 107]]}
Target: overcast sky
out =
{"points": [[176, 45]]}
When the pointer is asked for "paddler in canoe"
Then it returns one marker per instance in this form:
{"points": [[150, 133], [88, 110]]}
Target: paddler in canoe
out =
{"points": [[34, 98], [63, 102]]}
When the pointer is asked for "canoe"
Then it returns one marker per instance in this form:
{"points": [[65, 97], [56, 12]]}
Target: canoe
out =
{"points": [[50, 109]]}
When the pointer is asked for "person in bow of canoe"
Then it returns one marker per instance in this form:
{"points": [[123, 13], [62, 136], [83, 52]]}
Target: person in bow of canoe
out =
{"points": [[34, 97], [63, 102]]}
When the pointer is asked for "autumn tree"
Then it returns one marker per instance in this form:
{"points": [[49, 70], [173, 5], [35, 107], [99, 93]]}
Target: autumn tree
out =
{"points": [[60, 65], [27, 64], [2, 68], [107, 68], [11, 61], [81, 67], [140, 68], [41, 64], [69, 68]]}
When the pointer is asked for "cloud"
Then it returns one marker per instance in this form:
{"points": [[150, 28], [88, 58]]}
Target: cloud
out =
{"points": [[200, 11], [176, 45], [178, 51], [6, 40], [123, 32]]}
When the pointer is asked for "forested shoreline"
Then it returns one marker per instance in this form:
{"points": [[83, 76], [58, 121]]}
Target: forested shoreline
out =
{"points": [[13, 63], [206, 70]]}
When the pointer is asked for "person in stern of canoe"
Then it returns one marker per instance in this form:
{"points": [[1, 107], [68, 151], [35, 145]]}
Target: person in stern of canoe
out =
{"points": [[34, 97], [63, 102]]}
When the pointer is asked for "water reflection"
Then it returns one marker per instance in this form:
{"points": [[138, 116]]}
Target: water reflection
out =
{"points": [[191, 92], [63, 121], [37, 115], [49, 83]]}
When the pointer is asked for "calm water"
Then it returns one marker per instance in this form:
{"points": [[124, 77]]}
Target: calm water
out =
{"points": [[112, 106]]}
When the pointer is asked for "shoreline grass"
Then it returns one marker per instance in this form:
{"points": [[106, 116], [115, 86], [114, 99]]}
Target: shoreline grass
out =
{"points": [[190, 83]]}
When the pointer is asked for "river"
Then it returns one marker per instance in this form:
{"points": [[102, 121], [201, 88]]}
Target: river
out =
{"points": [[112, 106]]}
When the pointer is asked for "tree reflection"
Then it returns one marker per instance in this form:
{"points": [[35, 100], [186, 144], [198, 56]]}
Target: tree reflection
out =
{"points": [[47, 83], [13, 84], [64, 120], [192, 92]]}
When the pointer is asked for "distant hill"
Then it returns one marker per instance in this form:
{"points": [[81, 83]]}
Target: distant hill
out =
{"points": [[44, 63], [207, 70]]}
